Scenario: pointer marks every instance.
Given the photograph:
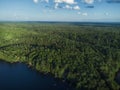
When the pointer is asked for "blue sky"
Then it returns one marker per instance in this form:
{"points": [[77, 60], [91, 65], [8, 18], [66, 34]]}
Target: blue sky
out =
{"points": [[60, 10]]}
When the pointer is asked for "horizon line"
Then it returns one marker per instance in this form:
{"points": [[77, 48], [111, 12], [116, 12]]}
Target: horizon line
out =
{"points": [[65, 21]]}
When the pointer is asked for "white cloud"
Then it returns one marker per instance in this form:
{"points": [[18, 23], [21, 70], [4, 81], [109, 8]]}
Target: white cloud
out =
{"points": [[56, 5], [35, 1], [76, 7], [69, 1], [85, 14], [89, 1], [65, 1], [58, 1], [79, 13], [68, 7]]}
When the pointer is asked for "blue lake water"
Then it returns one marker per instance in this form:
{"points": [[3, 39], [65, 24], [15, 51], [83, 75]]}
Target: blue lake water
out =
{"points": [[19, 77]]}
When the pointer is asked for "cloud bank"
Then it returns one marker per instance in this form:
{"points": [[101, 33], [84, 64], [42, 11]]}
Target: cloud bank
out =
{"points": [[74, 4]]}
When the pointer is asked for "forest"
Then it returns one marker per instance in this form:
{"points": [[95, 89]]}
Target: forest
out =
{"points": [[84, 56]]}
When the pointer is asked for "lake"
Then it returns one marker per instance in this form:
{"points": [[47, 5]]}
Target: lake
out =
{"points": [[18, 76], [117, 77]]}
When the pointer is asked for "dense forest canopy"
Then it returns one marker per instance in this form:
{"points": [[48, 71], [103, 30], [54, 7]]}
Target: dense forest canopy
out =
{"points": [[85, 56]]}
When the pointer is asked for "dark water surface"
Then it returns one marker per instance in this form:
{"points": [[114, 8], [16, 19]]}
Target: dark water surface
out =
{"points": [[19, 77], [117, 77]]}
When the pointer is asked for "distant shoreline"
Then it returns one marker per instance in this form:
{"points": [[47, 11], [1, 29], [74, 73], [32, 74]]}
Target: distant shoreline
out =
{"points": [[73, 23], [62, 21]]}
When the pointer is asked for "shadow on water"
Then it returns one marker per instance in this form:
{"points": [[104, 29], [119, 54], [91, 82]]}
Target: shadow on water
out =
{"points": [[19, 77]]}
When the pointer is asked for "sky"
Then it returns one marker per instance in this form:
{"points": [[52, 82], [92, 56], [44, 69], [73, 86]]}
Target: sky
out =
{"points": [[60, 10]]}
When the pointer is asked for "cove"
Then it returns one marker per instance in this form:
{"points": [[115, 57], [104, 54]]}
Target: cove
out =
{"points": [[18, 76]]}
